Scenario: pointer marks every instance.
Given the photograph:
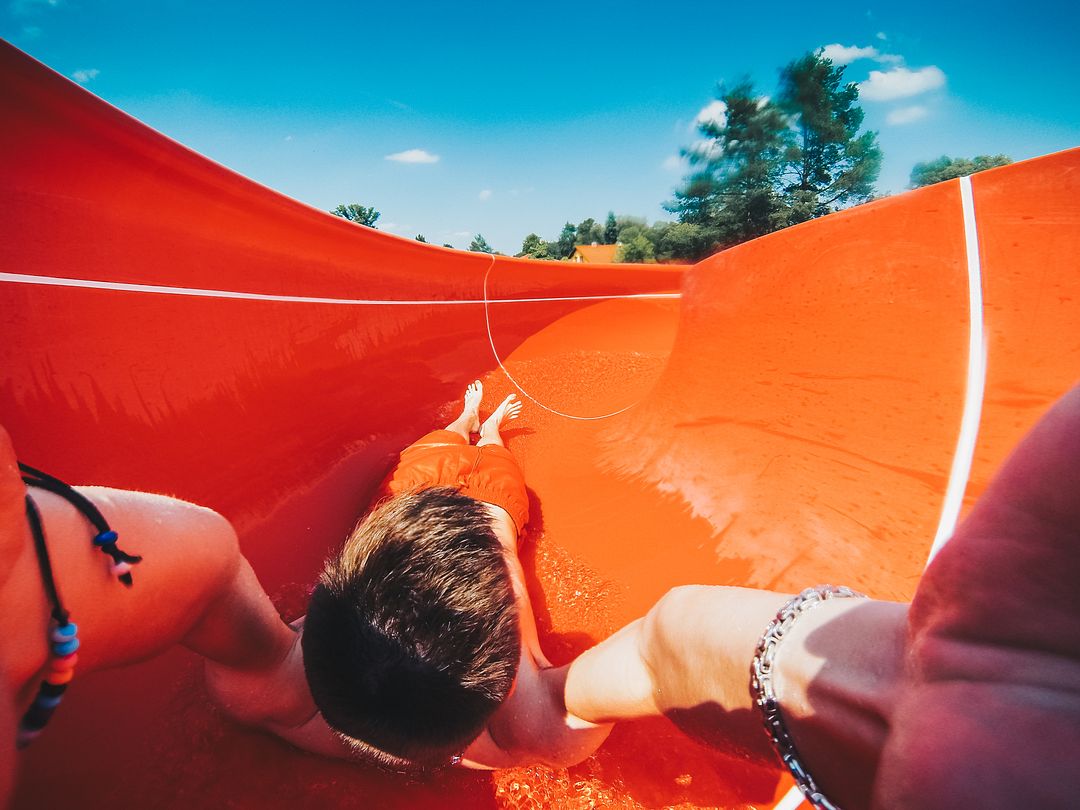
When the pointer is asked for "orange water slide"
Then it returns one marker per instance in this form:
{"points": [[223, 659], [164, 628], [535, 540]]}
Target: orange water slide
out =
{"points": [[817, 405]]}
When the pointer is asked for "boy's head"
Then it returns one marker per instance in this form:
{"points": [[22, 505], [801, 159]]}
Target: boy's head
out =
{"points": [[411, 639]]}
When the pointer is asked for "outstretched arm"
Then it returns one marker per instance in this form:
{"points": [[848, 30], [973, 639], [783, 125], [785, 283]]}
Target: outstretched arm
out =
{"points": [[689, 659]]}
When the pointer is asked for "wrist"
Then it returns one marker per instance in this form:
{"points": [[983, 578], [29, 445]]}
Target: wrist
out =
{"points": [[833, 683]]}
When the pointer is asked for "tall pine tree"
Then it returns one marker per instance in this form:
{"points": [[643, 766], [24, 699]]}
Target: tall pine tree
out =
{"points": [[732, 195], [828, 164], [766, 164]]}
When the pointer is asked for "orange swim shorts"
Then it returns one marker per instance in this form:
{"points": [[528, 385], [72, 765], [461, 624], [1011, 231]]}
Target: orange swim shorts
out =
{"points": [[443, 458]]}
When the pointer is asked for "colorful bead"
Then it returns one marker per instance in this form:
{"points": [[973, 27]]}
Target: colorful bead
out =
{"points": [[65, 647], [64, 632], [120, 568], [57, 678], [48, 702], [105, 538], [64, 663]]}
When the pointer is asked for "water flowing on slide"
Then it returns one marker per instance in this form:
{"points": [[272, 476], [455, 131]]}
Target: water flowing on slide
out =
{"points": [[815, 406]]}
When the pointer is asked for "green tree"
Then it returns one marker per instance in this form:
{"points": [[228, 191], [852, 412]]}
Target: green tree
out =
{"points": [[637, 250], [734, 193], [611, 229], [533, 247], [828, 164], [448, 245], [480, 245], [699, 200], [420, 238], [629, 227], [588, 232], [766, 164], [683, 241], [947, 168], [361, 215], [566, 242]]}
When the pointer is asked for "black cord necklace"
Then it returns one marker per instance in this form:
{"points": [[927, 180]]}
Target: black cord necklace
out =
{"points": [[63, 636]]}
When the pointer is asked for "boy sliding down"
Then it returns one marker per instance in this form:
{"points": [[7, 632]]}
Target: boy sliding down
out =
{"points": [[471, 675], [420, 645]]}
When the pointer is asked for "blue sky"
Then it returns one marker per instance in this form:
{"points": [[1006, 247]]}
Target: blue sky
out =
{"points": [[504, 118]]}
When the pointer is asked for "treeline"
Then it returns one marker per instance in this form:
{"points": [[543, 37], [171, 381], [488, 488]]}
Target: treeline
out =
{"points": [[637, 240], [761, 163]]}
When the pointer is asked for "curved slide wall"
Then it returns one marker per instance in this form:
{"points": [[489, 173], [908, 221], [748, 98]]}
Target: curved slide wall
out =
{"points": [[804, 411]]}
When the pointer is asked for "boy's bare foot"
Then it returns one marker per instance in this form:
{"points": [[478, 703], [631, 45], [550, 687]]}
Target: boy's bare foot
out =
{"points": [[469, 421], [471, 412], [509, 408]]}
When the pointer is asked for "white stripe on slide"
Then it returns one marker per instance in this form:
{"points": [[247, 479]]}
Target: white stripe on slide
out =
{"points": [[973, 400], [976, 380], [792, 799], [116, 286]]}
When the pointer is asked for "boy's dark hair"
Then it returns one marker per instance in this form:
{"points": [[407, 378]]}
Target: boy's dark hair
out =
{"points": [[411, 639]]}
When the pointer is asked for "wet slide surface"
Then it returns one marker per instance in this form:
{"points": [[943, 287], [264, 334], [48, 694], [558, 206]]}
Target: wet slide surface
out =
{"points": [[783, 414]]}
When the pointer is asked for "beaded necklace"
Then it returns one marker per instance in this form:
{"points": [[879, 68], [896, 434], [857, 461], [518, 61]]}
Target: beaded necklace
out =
{"points": [[63, 635]]}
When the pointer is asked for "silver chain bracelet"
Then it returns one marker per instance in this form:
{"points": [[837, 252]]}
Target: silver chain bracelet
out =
{"points": [[761, 685]]}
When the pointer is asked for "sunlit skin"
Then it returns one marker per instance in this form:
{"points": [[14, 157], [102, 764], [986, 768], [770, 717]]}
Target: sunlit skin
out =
{"points": [[967, 697], [193, 588]]}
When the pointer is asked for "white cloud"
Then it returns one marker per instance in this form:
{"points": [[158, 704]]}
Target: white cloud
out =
{"points": [[714, 112], [706, 149], [462, 234], [86, 75], [672, 163], [288, 137], [484, 194], [389, 226], [24, 7], [881, 36], [907, 115], [846, 54], [413, 156], [900, 83]]}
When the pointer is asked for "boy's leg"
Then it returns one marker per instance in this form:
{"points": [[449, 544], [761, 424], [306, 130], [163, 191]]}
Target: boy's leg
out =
{"points": [[469, 421], [510, 408]]}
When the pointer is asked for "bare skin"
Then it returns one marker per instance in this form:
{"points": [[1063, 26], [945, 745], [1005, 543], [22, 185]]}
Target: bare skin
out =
{"points": [[967, 697], [509, 409], [194, 588]]}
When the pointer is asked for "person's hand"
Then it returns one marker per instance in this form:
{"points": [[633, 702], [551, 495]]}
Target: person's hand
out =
{"points": [[991, 714]]}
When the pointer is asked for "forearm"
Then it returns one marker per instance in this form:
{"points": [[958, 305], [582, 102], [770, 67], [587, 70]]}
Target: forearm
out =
{"points": [[239, 627], [612, 681], [836, 673], [254, 664], [693, 647]]}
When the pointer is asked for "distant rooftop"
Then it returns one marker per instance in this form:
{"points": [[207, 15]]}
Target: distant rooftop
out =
{"points": [[594, 254]]}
